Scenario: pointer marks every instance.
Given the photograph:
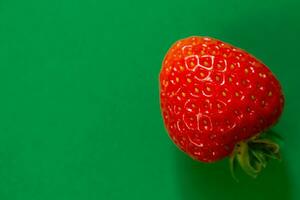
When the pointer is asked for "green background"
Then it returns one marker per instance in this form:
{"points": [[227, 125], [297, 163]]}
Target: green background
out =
{"points": [[79, 107]]}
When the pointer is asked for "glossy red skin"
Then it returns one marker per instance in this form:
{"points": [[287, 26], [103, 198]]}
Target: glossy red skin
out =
{"points": [[214, 95]]}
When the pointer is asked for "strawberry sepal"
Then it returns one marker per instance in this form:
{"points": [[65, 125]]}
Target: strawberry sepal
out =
{"points": [[253, 155]]}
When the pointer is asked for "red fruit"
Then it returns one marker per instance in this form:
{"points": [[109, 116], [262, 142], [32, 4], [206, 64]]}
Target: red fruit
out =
{"points": [[217, 99]]}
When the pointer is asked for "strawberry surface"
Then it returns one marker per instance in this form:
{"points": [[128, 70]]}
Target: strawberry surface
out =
{"points": [[214, 95]]}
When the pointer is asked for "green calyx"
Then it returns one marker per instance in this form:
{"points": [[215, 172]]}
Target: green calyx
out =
{"points": [[253, 155]]}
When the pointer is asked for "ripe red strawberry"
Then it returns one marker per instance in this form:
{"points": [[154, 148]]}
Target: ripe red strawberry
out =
{"points": [[217, 100]]}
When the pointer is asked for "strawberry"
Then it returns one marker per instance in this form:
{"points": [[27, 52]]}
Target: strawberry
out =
{"points": [[218, 100]]}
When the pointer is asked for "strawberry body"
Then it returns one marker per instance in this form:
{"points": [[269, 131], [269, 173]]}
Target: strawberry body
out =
{"points": [[214, 95]]}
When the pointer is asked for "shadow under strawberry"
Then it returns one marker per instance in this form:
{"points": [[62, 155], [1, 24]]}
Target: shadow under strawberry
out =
{"points": [[213, 181]]}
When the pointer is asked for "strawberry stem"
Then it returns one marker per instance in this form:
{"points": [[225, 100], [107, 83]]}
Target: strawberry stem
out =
{"points": [[254, 154]]}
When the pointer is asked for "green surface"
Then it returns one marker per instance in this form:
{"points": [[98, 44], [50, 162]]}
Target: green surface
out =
{"points": [[79, 110]]}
